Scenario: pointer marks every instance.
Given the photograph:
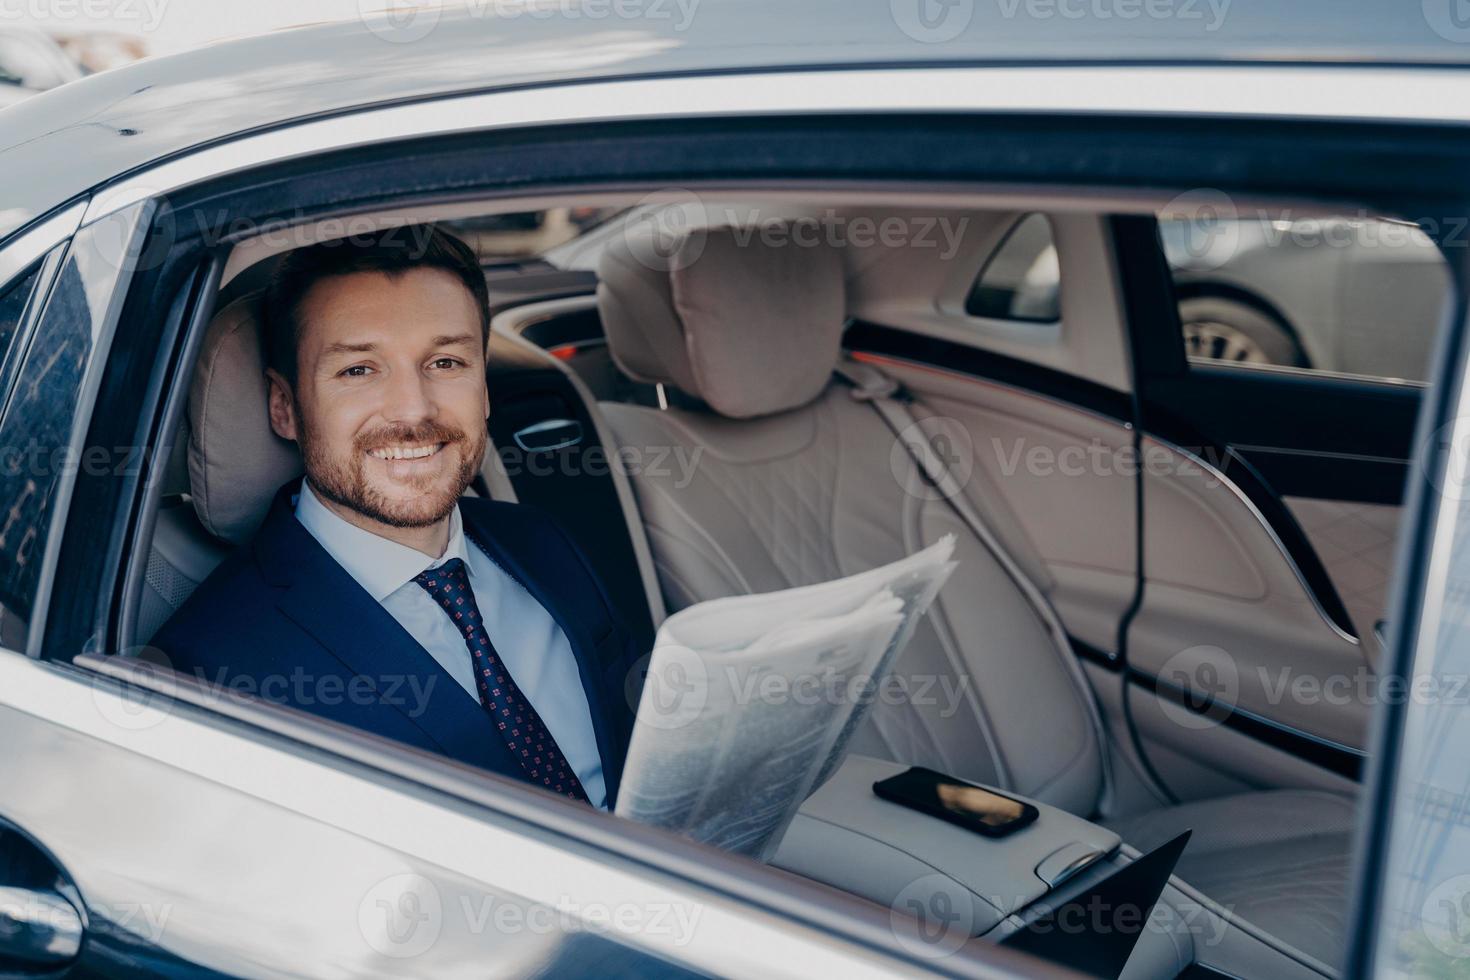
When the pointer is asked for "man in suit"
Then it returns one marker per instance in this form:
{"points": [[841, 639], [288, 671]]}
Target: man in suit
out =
{"points": [[374, 594]]}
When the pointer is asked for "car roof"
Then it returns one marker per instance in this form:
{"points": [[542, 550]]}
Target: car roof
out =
{"points": [[117, 121]]}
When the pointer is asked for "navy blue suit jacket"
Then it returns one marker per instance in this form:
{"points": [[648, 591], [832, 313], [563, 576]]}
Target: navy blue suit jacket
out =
{"points": [[282, 620]]}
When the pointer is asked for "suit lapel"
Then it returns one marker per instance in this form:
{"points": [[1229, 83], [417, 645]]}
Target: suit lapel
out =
{"points": [[603, 703], [325, 601]]}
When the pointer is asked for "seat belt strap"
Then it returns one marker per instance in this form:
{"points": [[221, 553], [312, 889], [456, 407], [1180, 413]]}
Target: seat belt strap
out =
{"points": [[889, 400]]}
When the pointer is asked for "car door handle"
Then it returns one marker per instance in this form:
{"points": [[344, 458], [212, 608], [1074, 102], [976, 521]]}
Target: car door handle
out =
{"points": [[548, 436], [38, 929]]}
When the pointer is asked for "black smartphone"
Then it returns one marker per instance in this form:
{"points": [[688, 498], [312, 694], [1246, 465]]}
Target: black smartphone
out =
{"points": [[972, 807]]}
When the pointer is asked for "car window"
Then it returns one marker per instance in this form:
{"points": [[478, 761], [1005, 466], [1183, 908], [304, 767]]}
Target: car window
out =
{"points": [[1354, 296], [1021, 279], [13, 300], [37, 425], [55, 377], [1424, 909]]}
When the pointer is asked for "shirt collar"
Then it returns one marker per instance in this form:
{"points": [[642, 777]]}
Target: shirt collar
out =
{"points": [[380, 566]]}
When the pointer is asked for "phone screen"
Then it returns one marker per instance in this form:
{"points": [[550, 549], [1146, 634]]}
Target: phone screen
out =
{"points": [[962, 803]]}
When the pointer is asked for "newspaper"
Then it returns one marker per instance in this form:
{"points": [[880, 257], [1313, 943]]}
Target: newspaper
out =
{"points": [[750, 701]]}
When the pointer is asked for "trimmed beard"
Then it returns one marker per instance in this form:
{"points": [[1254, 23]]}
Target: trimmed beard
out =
{"points": [[347, 483]]}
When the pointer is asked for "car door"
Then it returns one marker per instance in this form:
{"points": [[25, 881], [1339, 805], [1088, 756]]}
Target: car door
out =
{"points": [[150, 826], [1277, 448]]}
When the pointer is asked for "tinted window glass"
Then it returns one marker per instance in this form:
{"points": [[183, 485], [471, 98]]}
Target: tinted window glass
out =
{"points": [[36, 429], [1358, 296], [13, 306], [52, 386], [1424, 915], [1021, 280]]}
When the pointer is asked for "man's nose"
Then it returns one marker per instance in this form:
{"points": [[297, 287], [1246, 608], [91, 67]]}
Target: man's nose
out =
{"points": [[408, 398]]}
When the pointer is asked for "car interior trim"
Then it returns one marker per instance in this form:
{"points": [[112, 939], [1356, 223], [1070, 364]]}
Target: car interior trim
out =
{"points": [[1308, 372], [1345, 760], [1158, 353], [1219, 476], [876, 344], [1338, 758], [1273, 421], [959, 360]]}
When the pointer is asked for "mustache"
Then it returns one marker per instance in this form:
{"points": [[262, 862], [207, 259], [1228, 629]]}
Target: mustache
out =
{"points": [[409, 434]]}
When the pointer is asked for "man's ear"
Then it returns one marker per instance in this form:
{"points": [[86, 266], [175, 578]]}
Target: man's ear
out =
{"points": [[282, 405]]}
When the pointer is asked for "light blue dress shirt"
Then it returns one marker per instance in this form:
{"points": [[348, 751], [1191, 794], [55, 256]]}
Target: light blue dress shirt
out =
{"points": [[529, 641]]}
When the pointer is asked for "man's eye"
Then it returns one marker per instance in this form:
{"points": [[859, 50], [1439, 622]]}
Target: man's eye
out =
{"points": [[356, 371], [447, 363]]}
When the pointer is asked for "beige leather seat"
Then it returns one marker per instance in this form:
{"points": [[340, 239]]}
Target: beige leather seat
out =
{"points": [[226, 467], [796, 482]]}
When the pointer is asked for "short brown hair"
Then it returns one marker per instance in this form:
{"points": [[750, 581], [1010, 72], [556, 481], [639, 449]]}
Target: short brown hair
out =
{"points": [[392, 251]]}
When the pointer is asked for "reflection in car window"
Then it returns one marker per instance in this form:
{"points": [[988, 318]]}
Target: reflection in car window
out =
{"points": [[36, 425], [13, 306], [36, 455], [1021, 280], [1356, 296], [1425, 912]]}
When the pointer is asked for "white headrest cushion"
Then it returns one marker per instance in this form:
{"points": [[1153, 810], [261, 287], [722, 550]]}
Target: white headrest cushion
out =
{"points": [[236, 461], [750, 323]]}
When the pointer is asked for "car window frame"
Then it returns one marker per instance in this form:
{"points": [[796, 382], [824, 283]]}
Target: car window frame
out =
{"points": [[101, 254], [40, 248], [1042, 325]]}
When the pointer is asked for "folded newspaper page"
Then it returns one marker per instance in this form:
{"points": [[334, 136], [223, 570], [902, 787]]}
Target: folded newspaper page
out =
{"points": [[750, 701]]}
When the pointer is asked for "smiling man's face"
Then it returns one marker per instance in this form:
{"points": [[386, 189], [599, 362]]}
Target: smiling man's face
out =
{"points": [[390, 401]]}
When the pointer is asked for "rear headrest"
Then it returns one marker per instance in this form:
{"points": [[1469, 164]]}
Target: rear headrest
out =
{"points": [[729, 316], [236, 461]]}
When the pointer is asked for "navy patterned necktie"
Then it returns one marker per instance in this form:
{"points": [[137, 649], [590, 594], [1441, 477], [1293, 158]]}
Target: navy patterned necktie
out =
{"points": [[525, 734]]}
